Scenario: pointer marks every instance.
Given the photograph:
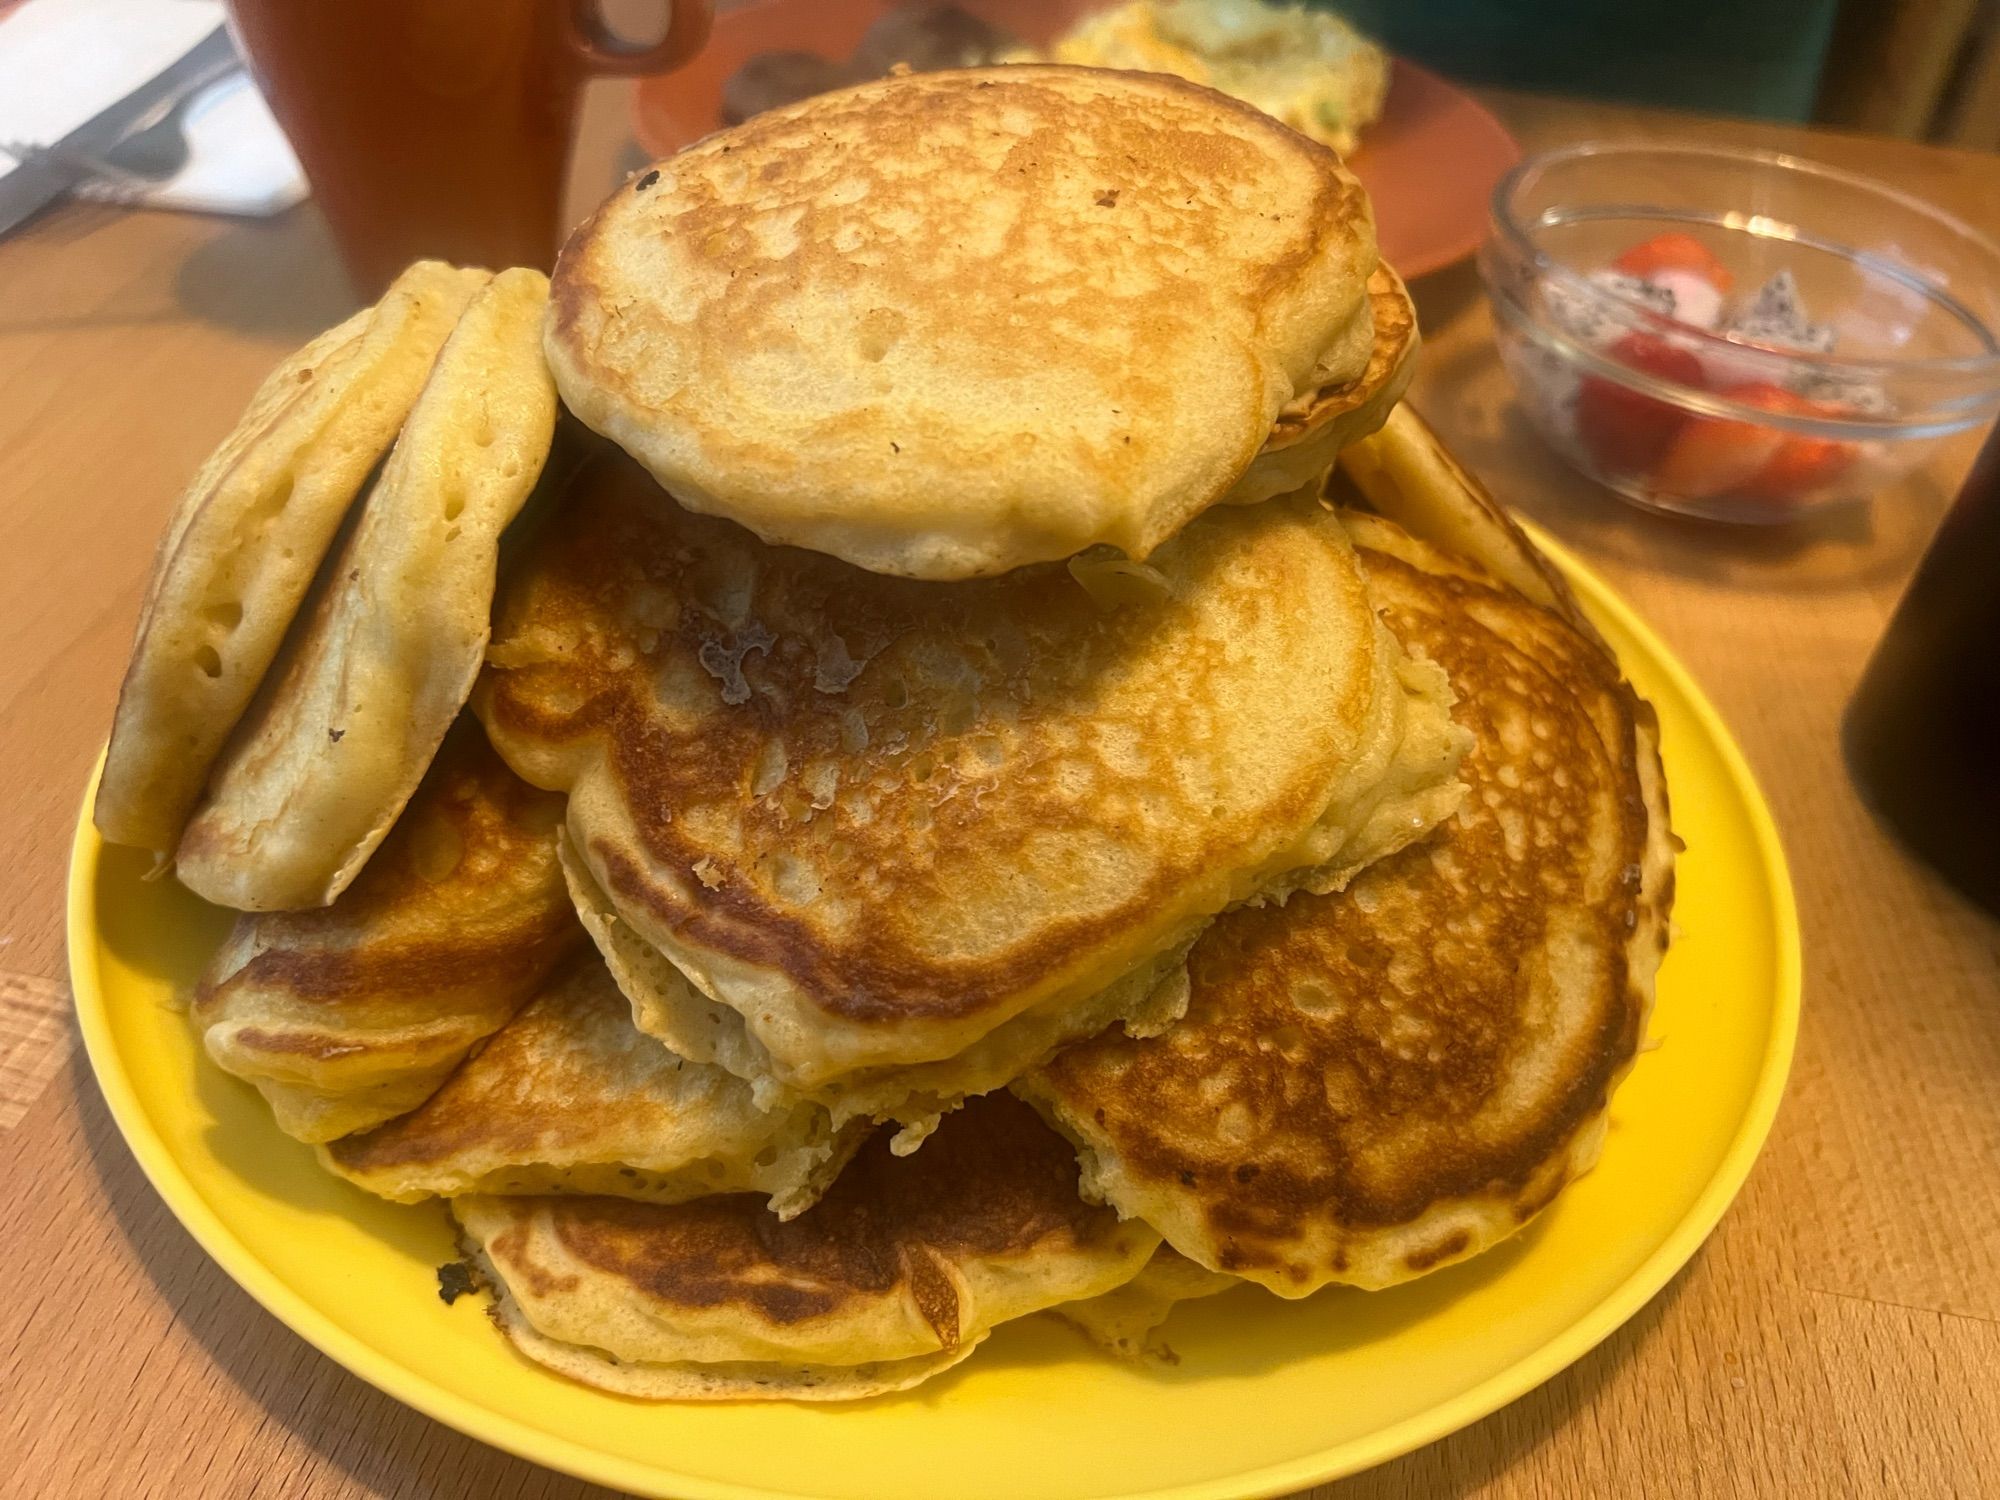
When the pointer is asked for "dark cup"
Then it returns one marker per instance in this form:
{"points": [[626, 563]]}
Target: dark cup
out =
{"points": [[440, 127], [1923, 730]]}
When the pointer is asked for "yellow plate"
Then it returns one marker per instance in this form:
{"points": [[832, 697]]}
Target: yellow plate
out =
{"points": [[1269, 1396]]}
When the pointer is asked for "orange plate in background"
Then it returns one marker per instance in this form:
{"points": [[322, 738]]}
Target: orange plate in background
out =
{"points": [[1269, 1397], [1429, 163]]}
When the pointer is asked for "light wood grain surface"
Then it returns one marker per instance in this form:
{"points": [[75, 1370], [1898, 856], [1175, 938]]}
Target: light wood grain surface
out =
{"points": [[1840, 1335]]}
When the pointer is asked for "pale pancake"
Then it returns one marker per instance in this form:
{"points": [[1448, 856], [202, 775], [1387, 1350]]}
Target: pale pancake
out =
{"points": [[1315, 427], [1404, 472], [348, 1016], [881, 819], [245, 539], [381, 663], [906, 1259], [1369, 1085], [1127, 1320], [740, 1380], [570, 1097], [947, 324]]}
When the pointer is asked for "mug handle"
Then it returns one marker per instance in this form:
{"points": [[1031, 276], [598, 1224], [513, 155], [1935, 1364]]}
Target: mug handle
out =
{"points": [[688, 23]]}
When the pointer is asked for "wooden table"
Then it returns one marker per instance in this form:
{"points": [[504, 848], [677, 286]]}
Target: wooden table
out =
{"points": [[1840, 1335]]}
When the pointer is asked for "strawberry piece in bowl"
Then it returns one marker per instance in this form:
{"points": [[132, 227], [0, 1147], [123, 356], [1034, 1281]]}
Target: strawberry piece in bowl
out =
{"points": [[1627, 431], [1734, 334], [1713, 457]]}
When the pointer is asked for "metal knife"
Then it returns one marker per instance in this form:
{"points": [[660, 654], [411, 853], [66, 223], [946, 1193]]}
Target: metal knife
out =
{"points": [[41, 180]]}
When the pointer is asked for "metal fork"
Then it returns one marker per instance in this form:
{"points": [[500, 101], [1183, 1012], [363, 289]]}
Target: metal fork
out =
{"points": [[153, 149]]}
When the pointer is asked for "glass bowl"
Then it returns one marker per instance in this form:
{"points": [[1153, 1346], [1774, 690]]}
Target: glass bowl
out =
{"points": [[1891, 345]]}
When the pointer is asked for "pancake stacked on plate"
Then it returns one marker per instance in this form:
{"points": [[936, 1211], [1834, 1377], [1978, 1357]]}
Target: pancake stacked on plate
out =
{"points": [[966, 815]]}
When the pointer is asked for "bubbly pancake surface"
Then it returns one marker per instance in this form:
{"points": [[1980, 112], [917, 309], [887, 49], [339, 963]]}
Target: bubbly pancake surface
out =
{"points": [[347, 1015], [1371, 1084], [246, 538], [945, 325], [1406, 475], [905, 1258], [879, 818], [381, 661]]}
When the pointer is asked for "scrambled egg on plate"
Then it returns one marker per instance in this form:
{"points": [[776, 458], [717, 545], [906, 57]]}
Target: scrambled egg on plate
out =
{"points": [[1309, 68]]}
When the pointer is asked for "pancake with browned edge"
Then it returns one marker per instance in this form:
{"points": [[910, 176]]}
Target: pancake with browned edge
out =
{"points": [[1312, 431], [1404, 473], [883, 824], [897, 1273], [570, 1096], [1373, 1084], [381, 660], [351, 1014], [945, 325]]}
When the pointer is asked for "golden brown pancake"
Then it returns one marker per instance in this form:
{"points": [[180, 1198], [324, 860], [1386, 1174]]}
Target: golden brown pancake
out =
{"points": [[1404, 472], [880, 820], [349, 1015], [569, 1096], [904, 1266], [667, 1006], [1311, 432], [945, 325], [246, 538], [1373, 1084]]}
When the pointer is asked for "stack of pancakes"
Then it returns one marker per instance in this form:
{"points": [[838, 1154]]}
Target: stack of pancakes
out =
{"points": [[999, 770]]}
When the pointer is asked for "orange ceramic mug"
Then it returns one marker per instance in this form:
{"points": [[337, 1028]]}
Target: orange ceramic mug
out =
{"points": [[441, 127]]}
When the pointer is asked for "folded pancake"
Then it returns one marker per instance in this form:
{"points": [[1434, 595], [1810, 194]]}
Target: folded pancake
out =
{"points": [[944, 325], [1321, 421], [348, 1016], [381, 662], [1372, 1084], [246, 538], [883, 821], [897, 1273], [570, 1097]]}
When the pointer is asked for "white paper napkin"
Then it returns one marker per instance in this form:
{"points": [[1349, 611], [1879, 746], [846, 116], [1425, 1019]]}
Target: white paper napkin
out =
{"points": [[64, 61]]}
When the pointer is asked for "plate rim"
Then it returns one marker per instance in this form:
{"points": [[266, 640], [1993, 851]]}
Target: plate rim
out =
{"points": [[579, 1460], [1462, 247]]}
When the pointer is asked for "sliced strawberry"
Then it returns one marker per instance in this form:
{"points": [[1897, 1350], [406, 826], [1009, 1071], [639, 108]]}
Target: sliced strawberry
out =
{"points": [[1625, 430], [1716, 456], [1713, 456], [1769, 397], [1801, 465], [1675, 251]]}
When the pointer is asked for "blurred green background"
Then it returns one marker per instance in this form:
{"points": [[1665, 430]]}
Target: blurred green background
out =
{"points": [[1738, 57]]}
